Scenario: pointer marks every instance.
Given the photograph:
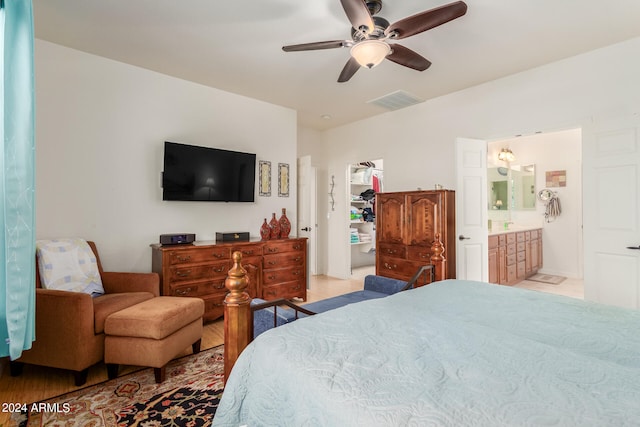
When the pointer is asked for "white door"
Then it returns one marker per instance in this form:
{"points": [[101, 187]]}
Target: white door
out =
{"points": [[307, 219], [611, 174], [472, 253]]}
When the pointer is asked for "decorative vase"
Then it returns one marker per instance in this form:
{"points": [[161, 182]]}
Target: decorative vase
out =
{"points": [[285, 225], [274, 226], [265, 230]]}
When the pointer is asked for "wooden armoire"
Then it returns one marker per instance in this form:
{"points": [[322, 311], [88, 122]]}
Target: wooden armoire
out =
{"points": [[407, 223]]}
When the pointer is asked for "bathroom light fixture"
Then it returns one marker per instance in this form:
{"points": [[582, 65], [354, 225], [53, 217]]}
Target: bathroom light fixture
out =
{"points": [[506, 155], [370, 53]]}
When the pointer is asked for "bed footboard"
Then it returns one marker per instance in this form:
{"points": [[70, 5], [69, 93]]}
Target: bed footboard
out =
{"points": [[238, 316], [238, 321]]}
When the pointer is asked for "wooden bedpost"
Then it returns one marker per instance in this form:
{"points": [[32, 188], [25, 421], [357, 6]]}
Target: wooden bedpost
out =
{"points": [[237, 315], [437, 259]]}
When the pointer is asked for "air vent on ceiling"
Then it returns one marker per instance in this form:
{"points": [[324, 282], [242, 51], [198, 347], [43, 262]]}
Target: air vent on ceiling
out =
{"points": [[396, 100]]}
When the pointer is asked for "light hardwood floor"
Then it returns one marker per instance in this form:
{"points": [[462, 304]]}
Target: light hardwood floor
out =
{"points": [[37, 383]]}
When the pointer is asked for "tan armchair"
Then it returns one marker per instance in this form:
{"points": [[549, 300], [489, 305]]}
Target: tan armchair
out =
{"points": [[70, 325]]}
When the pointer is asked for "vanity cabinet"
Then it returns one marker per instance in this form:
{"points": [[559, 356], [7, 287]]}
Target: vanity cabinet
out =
{"points": [[275, 269], [514, 256], [406, 225]]}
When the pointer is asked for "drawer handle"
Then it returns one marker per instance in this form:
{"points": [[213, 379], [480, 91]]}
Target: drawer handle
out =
{"points": [[389, 266], [297, 287], [219, 269], [271, 277], [184, 258], [297, 247], [298, 259], [391, 251], [218, 255], [297, 273], [272, 250], [186, 273], [272, 262], [248, 252], [218, 285], [185, 291], [424, 255]]}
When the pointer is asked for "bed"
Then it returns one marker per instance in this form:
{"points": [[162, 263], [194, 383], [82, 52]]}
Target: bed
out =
{"points": [[453, 353]]}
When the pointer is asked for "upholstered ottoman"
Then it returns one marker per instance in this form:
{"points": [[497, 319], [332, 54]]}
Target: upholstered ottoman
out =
{"points": [[152, 333]]}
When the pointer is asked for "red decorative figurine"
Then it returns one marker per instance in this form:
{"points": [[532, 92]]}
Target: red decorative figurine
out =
{"points": [[265, 230], [274, 225], [285, 225]]}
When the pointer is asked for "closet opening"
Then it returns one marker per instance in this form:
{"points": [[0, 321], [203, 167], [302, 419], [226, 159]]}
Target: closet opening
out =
{"points": [[365, 180]]}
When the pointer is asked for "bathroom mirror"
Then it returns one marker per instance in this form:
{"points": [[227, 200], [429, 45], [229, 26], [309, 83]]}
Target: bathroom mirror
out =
{"points": [[512, 188]]}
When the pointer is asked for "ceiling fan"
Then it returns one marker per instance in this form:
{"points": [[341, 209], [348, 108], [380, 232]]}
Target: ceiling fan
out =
{"points": [[371, 35]]}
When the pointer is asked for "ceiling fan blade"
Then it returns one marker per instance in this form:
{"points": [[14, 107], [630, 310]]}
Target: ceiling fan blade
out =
{"points": [[426, 20], [349, 70], [314, 46], [358, 14], [405, 56]]}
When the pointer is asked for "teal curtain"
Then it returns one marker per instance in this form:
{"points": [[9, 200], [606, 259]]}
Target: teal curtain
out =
{"points": [[17, 158]]}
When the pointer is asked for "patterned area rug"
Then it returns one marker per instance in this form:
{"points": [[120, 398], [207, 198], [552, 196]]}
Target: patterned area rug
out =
{"points": [[188, 396], [546, 278]]}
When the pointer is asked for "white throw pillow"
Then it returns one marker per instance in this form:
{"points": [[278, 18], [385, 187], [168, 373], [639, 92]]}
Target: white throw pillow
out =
{"points": [[68, 265]]}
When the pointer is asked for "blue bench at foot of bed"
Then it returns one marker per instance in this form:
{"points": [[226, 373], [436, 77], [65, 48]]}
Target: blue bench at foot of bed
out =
{"points": [[374, 287]]}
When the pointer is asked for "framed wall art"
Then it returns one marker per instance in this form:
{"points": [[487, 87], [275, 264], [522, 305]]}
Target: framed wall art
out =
{"points": [[283, 179], [264, 187]]}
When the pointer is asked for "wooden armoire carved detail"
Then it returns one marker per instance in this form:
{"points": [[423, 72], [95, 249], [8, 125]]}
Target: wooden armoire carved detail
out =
{"points": [[406, 225]]}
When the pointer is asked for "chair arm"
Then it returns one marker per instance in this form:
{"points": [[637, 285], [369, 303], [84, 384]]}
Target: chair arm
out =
{"points": [[385, 285], [63, 312], [65, 332], [116, 282], [271, 315]]}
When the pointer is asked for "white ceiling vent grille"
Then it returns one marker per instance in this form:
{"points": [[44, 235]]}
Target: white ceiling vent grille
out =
{"points": [[396, 100]]}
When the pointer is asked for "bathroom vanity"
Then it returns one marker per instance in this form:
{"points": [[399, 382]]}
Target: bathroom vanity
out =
{"points": [[514, 255]]}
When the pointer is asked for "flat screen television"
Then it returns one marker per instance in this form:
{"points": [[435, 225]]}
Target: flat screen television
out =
{"points": [[195, 173]]}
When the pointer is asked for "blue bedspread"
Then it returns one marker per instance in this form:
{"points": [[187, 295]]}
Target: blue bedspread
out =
{"points": [[453, 353]]}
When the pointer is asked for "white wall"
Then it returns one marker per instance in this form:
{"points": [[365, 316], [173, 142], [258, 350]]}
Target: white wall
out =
{"points": [[310, 143], [417, 143], [100, 129], [561, 238]]}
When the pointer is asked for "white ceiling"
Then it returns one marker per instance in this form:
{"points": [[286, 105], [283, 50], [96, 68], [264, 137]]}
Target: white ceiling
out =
{"points": [[235, 45]]}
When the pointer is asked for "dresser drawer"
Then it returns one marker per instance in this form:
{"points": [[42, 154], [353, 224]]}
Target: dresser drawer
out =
{"points": [[521, 246], [189, 256], [283, 246], [494, 242], [512, 259], [279, 275], [419, 253], [511, 249], [286, 290], [247, 250], [392, 250], [198, 272], [284, 259], [212, 287], [511, 238], [521, 256], [213, 307], [398, 268]]}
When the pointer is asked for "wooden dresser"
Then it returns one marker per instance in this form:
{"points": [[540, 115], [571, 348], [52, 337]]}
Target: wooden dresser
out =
{"points": [[275, 269], [406, 225], [514, 256]]}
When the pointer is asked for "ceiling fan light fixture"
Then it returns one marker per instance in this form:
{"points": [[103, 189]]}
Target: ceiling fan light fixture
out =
{"points": [[370, 53]]}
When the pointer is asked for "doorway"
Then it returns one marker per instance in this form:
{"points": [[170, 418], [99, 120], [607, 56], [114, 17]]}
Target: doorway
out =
{"points": [[365, 180], [551, 161]]}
